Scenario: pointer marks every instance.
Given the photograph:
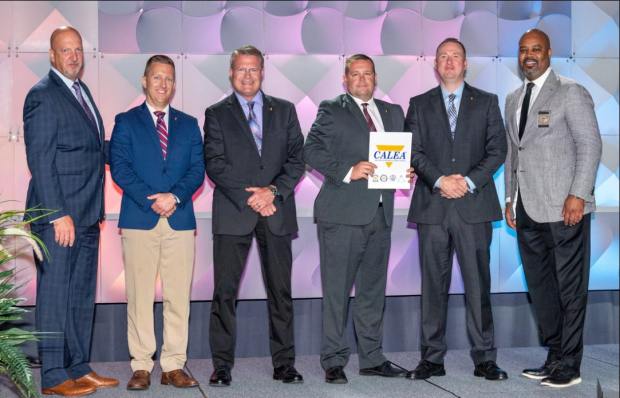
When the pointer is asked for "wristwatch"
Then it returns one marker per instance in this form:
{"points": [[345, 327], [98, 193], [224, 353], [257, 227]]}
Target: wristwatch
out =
{"points": [[274, 191]]}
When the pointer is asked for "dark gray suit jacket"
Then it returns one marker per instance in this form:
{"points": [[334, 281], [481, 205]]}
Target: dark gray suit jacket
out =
{"points": [[478, 150], [337, 141], [233, 163]]}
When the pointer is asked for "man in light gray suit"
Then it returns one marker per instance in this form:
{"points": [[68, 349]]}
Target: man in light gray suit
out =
{"points": [[554, 152], [354, 222]]}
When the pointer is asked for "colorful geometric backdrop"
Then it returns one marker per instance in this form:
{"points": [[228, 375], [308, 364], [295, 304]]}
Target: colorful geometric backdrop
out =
{"points": [[305, 43]]}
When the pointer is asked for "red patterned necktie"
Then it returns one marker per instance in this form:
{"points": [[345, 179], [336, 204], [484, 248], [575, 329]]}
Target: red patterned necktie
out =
{"points": [[162, 132], [369, 122]]}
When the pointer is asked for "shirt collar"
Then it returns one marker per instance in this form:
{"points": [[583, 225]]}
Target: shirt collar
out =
{"points": [[64, 78], [359, 102], [541, 79], [458, 92], [258, 99], [153, 110]]}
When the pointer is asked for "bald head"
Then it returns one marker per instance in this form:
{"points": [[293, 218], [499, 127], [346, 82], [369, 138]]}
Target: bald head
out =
{"points": [[66, 52], [534, 53], [537, 32]]}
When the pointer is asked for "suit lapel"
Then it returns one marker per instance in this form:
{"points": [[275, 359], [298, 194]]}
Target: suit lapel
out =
{"points": [[74, 102], [237, 113], [173, 130], [465, 108], [511, 114], [355, 112], [150, 130], [438, 105], [546, 92], [267, 118], [384, 113]]}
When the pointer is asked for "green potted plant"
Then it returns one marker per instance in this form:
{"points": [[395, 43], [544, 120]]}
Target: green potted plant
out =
{"points": [[13, 362]]}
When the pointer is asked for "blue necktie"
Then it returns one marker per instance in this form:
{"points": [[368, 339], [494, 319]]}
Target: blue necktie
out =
{"points": [[452, 115], [256, 132]]}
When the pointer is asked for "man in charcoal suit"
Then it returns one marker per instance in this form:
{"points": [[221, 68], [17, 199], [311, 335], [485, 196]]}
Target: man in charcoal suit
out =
{"points": [[554, 152], [458, 144], [252, 150]]}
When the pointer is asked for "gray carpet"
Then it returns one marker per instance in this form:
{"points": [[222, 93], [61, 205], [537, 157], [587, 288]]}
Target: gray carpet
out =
{"points": [[252, 378]]}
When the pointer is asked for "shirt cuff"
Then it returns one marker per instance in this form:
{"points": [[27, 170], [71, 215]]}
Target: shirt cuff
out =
{"points": [[176, 199], [347, 178], [437, 183], [470, 184]]}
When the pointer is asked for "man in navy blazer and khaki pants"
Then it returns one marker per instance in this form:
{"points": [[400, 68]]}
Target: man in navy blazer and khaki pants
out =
{"points": [[65, 151], [156, 158]]}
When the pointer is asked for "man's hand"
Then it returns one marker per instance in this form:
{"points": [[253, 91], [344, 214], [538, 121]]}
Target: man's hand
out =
{"points": [[165, 204], [411, 176], [510, 220], [64, 231], [267, 211], [363, 170], [573, 210], [453, 186], [261, 198]]}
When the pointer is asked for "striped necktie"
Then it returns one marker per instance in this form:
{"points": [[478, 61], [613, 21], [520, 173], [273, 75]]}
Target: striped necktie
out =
{"points": [[369, 122], [452, 114], [254, 127], [80, 98], [162, 132]]}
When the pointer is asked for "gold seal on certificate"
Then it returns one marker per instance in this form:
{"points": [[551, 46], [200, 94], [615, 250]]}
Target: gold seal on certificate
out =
{"points": [[391, 152]]}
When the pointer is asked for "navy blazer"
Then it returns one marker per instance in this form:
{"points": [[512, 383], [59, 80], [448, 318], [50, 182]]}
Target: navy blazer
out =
{"points": [[478, 151], [233, 164], [138, 166], [65, 153]]}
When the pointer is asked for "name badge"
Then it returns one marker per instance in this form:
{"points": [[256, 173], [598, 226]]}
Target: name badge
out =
{"points": [[543, 118]]}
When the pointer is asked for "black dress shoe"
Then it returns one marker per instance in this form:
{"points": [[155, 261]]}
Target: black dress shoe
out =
{"points": [[490, 371], [220, 377], [335, 375], [288, 374], [561, 377], [385, 369], [426, 369], [540, 373]]}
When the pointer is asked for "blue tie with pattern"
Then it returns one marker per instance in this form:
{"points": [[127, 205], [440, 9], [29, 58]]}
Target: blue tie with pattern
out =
{"points": [[256, 132], [452, 115]]}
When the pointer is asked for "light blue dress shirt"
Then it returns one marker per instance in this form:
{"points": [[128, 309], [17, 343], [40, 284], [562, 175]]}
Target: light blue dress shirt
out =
{"points": [[258, 108]]}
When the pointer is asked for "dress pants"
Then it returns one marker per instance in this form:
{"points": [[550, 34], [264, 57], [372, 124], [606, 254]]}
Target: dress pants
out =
{"points": [[66, 285], [438, 242], [230, 254], [168, 253], [354, 254], [556, 261]]}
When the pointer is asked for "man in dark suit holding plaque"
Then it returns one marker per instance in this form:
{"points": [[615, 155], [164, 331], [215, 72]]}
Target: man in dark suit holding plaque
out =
{"points": [[458, 144], [253, 154], [354, 222]]}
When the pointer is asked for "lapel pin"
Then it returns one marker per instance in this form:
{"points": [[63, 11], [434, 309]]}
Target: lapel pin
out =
{"points": [[270, 109]]}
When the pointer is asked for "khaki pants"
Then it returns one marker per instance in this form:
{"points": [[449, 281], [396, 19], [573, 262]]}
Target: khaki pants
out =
{"points": [[147, 253]]}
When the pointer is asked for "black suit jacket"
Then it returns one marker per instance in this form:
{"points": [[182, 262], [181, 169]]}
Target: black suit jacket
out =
{"points": [[233, 163], [337, 141], [478, 150], [65, 152]]}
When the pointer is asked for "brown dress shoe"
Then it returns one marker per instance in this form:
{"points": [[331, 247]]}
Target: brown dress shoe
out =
{"points": [[69, 388], [93, 379], [140, 380], [178, 378]]}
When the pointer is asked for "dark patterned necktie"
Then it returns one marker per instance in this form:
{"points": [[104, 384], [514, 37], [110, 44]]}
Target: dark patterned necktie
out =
{"points": [[80, 98], [254, 127], [525, 108], [369, 122], [162, 132], [452, 114]]}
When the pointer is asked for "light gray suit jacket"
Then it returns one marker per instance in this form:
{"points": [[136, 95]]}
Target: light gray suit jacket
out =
{"points": [[550, 163]]}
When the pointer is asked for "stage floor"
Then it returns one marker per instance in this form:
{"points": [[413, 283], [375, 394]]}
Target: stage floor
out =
{"points": [[252, 378]]}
